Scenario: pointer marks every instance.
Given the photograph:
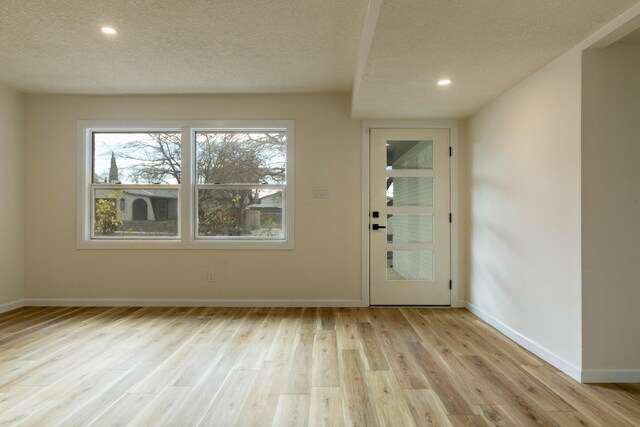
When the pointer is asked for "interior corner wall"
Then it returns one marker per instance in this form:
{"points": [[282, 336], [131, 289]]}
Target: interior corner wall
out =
{"points": [[524, 225], [325, 265], [463, 211], [611, 211], [12, 123]]}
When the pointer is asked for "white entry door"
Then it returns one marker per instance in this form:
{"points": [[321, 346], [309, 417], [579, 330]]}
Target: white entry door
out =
{"points": [[409, 217]]}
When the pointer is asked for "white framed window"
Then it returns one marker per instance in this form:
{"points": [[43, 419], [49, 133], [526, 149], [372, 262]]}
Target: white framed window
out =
{"points": [[185, 184]]}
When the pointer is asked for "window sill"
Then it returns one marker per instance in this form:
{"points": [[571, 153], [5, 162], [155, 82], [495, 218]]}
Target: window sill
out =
{"points": [[183, 245]]}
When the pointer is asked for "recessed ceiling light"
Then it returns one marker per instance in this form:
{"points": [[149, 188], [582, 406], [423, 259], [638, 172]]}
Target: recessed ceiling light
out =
{"points": [[108, 30], [444, 82]]}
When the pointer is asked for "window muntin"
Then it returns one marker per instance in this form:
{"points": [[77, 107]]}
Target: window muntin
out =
{"points": [[135, 185], [240, 186]]}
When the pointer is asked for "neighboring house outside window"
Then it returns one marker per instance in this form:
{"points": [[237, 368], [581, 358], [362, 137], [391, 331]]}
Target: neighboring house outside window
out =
{"points": [[236, 190]]}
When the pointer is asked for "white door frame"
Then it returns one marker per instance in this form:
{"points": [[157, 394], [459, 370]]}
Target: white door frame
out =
{"points": [[452, 125]]}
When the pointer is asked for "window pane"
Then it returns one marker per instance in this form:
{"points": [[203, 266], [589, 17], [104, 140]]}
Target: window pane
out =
{"points": [[135, 213], [241, 213], [249, 157], [410, 191], [410, 265], [136, 158], [403, 228], [409, 155]]}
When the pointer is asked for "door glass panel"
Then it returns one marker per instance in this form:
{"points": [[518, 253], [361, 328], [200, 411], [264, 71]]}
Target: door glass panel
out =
{"points": [[409, 191], [403, 228], [409, 265], [409, 155]]}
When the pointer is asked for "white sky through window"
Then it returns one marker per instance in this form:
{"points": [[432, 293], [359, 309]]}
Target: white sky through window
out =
{"points": [[119, 145]]}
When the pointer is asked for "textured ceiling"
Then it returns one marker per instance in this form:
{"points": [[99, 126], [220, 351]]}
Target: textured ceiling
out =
{"points": [[633, 37], [260, 46], [485, 46], [180, 46]]}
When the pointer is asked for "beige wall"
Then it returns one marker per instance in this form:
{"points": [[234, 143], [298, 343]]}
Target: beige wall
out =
{"points": [[464, 215], [611, 208], [11, 197], [326, 261], [524, 224]]}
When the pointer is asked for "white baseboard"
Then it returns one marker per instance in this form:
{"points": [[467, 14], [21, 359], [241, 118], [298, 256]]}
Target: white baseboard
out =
{"points": [[41, 302], [611, 375], [11, 306], [546, 355]]}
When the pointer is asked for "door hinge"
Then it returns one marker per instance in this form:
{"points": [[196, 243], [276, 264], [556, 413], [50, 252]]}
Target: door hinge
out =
{"points": [[450, 218], [450, 283], [450, 151]]}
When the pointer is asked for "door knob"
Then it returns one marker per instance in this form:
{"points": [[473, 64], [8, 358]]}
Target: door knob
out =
{"points": [[378, 227]]}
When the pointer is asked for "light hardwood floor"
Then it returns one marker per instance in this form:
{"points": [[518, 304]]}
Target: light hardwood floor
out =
{"points": [[284, 367]]}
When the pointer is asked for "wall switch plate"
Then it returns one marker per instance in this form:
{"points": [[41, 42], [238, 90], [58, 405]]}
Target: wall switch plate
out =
{"points": [[211, 277], [320, 193]]}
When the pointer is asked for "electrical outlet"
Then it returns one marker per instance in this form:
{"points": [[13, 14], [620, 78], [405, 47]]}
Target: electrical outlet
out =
{"points": [[211, 277]]}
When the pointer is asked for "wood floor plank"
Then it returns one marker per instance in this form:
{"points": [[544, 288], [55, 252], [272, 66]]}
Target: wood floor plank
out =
{"points": [[426, 408], [392, 319], [402, 364], [324, 369], [517, 353], [83, 415], [308, 320], [467, 421], [185, 366], [260, 405], [359, 408], [16, 395], [441, 384], [375, 357], [52, 339], [347, 330], [536, 390], [619, 400], [226, 406], [391, 407], [21, 325], [20, 313], [327, 318], [526, 407], [325, 407], [497, 415], [572, 419], [50, 403], [214, 377], [190, 373], [298, 377], [163, 374], [160, 407], [579, 397], [259, 342], [124, 410], [453, 333], [283, 341], [292, 411]]}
